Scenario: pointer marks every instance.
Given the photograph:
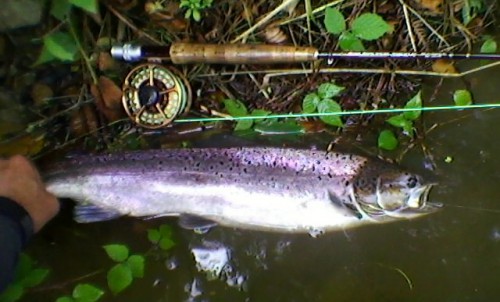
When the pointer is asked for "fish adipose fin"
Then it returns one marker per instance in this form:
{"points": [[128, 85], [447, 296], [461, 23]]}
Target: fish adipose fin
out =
{"points": [[346, 208], [192, 222], [90, 213]]}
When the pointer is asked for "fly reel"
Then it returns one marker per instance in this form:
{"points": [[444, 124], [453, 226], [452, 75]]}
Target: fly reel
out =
{"points": [[154, 95]]}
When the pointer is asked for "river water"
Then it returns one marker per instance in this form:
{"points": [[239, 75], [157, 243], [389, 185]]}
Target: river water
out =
{"points": [[452, 255]]}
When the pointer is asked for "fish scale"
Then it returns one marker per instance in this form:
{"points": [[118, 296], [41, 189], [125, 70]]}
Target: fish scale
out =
{"points": [[276, 189]]}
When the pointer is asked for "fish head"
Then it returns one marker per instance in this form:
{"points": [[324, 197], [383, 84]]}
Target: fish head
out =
{"points": [[395, 194]]}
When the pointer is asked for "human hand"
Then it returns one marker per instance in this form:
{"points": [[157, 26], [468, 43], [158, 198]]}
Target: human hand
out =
{"points": [[21, 182]]}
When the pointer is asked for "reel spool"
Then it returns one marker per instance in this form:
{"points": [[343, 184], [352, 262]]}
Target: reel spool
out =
{"points": [[154, 95]]}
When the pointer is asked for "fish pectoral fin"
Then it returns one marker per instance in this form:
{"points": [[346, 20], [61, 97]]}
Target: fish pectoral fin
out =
{"points": [[193, 222], [86, 213], [343, 206]]}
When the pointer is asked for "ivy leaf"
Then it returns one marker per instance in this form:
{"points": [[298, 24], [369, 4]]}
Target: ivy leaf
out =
{"points": [[489, 46], [329, 90], [387, 140], [87, 5], [330, 106], [369, 26], [462, 98], [196, 15], [310, 103], [119, 278], [61, 45], [65, 299], [24, 266], [136, 264], [349, 42], [414, 103], [398, 121], [87, 292], [334, 21], [44, 57], [34, 277], [235, 107], [117, 252]]}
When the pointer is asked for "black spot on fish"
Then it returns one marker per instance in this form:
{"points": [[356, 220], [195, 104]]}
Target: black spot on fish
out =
{"points": [[319, 177], [221, 163], [198, 164], [245, 170], [330, 175], [347, 183], [318, 162], [412, 182], [313, 168]]}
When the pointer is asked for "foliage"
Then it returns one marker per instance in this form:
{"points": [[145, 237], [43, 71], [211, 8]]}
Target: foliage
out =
{"points": [[462, 97], [27, 275], [322, 101], [61, 45], [83, 292], [366, 27], [387, 140], [470, 9], [194, 8], [162, 237], [128, 267], [489, 45]]}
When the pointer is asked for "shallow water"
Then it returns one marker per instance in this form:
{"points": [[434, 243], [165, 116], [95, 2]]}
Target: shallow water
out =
{"points": [[452, 255]]}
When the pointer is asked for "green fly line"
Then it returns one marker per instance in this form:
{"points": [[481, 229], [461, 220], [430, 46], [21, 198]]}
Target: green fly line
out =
{"points": [[339, 113]]}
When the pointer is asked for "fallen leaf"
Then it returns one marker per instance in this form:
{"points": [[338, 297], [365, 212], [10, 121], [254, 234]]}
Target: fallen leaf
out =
{"points": [[113, 113], [110, 92], [273, 34], [40, 93], [27, 145], [106, 62], [444, 66], [84, 120], [434, 6]]}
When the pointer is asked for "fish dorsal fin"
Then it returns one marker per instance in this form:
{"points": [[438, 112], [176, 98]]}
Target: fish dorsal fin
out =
{"points": [[193, 222], [344, 206], [86, 213]]}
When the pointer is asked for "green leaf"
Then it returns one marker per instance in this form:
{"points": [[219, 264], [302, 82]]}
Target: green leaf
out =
{"points": [[166, 243], [65, 299], [489, 46], [275, 127], [154, 236], [414, 103], [60, 9], [330, 106], [334, 21], [34, 277], [235, 107], [243, 125], [310, 103], [87, 293], [387, 140], [136, 264], [88, 5], [329, 90], [12, 293], [44, 57], [398, 121], [259, 112], [349, 42], [117, 252], [462, 98], [61, 45], [119, 277], [370, 27], [165, 230], [24, 266], [196, 15]]}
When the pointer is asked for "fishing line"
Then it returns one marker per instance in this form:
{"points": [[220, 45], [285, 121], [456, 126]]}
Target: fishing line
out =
{"points": [[340, 113], [487, 210]]}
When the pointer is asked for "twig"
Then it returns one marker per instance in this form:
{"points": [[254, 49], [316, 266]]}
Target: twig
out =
{"points": [[409, 26], [132, 26], [434, 31], [315, 11], [266, 18], [82, 52]]}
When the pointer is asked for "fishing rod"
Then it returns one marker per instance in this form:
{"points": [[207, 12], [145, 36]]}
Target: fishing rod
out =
{"points": [[154, 95], [191, 53]]}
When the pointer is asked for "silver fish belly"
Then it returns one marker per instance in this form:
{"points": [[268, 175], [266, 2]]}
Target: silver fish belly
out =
{"points": [[287, 190]]}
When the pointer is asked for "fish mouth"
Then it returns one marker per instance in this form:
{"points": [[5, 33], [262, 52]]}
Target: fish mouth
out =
{"points": [[416, 205]]}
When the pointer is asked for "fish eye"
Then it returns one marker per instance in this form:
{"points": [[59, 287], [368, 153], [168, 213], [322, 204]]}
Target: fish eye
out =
{"points": [[412, 182]]}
